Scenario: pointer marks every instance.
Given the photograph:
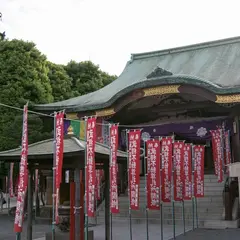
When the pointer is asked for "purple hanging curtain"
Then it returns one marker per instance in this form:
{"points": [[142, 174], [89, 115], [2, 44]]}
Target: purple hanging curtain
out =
{"points": [[191, 131]]}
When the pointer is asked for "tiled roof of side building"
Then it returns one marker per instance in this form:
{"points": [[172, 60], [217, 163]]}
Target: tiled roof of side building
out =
{"points": [[71, 145], [214, 65]]}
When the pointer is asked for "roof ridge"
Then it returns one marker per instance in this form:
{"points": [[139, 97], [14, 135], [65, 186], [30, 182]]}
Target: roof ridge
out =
{"points": [[190, 47]]}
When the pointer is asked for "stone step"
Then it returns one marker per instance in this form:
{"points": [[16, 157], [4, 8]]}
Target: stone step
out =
{"points": [[207, 200], [178, 210], [211, 203], [178, 222]]}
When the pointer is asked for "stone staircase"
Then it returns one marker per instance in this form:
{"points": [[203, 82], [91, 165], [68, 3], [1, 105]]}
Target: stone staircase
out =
{"points": [[209, 208]]}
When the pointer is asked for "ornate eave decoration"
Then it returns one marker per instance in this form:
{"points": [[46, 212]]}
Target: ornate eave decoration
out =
{"points": [[234, 98], [159, 72], [105, 112], [160, 90], [72, 116]]}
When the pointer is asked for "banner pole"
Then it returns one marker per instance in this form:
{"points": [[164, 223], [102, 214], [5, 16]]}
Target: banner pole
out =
{"points": [[183, 215], [192, 190], [85, 183], [196, 212], [160, 197], [145, 170], [173, 202], [130, 214], [54, 180]]}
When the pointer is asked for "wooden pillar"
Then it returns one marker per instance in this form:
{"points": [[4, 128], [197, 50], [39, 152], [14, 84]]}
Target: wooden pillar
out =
{"points": [[49, 190], [77, 203], [72, 205], [235, 141], [107, 201], [30, 203], [82, 191]]}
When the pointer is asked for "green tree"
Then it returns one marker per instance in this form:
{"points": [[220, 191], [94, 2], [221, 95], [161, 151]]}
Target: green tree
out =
{"points": [[60, 81], [87, 77], [23, 78]]}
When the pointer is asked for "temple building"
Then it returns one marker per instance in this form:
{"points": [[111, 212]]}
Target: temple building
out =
{"points": [[185, 92]]}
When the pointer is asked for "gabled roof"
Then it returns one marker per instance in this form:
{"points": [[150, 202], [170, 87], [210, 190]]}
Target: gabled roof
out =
{"points": [[214, 65], [45, 148]]}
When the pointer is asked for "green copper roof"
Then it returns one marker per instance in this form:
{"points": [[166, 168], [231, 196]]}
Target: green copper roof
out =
{"points": [[214, 65]]}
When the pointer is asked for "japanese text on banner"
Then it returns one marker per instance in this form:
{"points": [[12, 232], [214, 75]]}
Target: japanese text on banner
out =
{"points": [[23, 175], [187, 172], [217, 153], [166, 167], [134, 167], [98, 185], [90, 171], [113, 169], [198, 153], [178, 170], [153, 174], [228, 156], [59, 134]]}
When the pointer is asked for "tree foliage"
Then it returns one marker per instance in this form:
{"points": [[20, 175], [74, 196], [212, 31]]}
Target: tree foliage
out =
{"points": [[87, 77], [27, 76], [23, 78], [60, 81]]}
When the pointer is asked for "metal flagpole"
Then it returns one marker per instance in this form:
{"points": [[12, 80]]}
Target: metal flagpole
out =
{"points": [[173, 202], [54, 176], [85, 183], [160, 197], [145, 170], [183, 214], [130, 214], [192, 190]]}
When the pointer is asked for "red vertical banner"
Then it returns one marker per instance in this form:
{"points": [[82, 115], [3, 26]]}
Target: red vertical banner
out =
{"points": [[59, 134], [114, 207], [22, 186], [214, 150], [218, 153], [228, 155], [134, 167], [198, 156], [90, 170], [153, 174], [178, 151], [98, 185], [187, 172], [166, 167], [11, 192]]}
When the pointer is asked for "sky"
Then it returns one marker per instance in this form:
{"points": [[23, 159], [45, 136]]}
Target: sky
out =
{"points": [[107, 32]]}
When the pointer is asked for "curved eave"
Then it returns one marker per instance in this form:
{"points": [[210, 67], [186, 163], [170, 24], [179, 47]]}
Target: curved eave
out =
{"points": [[145, 83]]}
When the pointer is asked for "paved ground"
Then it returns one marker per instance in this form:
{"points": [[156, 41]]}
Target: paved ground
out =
{"points": [[121, 231], [7, 233], [211, 234]]}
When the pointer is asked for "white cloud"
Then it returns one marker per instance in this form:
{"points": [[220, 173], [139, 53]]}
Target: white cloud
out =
{"points": [[108, 31]]}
